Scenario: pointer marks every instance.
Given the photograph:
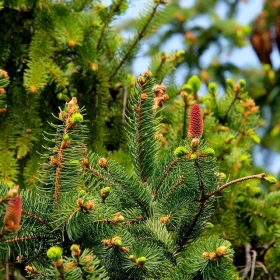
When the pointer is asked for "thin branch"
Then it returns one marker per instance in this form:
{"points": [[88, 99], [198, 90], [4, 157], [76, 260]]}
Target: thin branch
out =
{"points": [[16, 239], [139, 37], [257, 176], [106, 21], [236, 97], [36, 217], [169, 168]]}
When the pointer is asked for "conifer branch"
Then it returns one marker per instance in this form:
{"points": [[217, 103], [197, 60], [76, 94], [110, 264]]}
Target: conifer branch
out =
{"points": [[36, 217], [177, 183], [236, 97], [139, 141], [18, 239], [262, 215], [184, 237], [136, 199], [113, 183], [106, 21], [168, 169], [188, 232], [257, 176], [139, 37]]}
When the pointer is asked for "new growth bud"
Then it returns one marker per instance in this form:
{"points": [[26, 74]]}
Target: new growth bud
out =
{"points": [[181, 151], [54, 253]]}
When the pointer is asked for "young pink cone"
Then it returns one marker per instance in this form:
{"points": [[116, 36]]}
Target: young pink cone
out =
{"points": [[13, 215], [195, 122]]}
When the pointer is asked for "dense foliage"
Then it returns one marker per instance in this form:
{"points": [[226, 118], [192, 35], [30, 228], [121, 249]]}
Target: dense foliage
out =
{"points": [[54, 52]]}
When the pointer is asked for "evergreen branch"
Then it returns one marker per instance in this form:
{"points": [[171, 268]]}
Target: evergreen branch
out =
{"points": [[262, 215], [18, 239], [257, 176], [236, 97], [135, 220], [106, 21], [195, 220], [137, 200], [169, 168], [186, 234], [158, 70], [138, 38], [177, 183], [27, 213], [106, 179]]}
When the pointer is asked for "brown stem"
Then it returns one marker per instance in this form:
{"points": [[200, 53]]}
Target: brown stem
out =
{"points": [[139, 37], [35, 217], [226, 115], [16, 239], [257, 176], [169, 168]]}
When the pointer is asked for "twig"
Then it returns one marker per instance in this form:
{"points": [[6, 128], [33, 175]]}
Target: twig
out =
{"points": [[139, 37], [257, 176], [106, 21]]}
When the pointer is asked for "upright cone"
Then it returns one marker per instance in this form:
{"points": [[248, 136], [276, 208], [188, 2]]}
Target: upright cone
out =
{"points": [[13, 215], [195, 122]]}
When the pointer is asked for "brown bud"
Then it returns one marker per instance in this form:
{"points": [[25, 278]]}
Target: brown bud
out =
{"points": [[144, 95], [205, 255], [58, 263], [148, 73], [165, 220], [89, 205], [67, 267], [33, 89], [2, 90], [212, 256], [195, 142], [220, 251], [30, 269], [90, 268], [141, 80], [3, 110], [87, 259], [72, 43], [107, 242], [85, 162], [102, 162], [80, 202], [4, 73]]}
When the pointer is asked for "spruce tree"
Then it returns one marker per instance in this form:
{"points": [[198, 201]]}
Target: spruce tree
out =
{"points": [[90, 218]]}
